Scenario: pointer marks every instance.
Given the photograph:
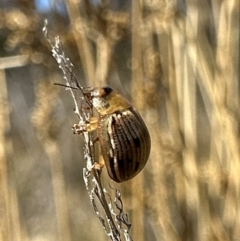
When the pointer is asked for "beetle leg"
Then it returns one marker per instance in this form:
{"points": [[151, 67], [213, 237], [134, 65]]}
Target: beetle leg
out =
{"points": [[100, 164], [95, 140], [88, 126]]}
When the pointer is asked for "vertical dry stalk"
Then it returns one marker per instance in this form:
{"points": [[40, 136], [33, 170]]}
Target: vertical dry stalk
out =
{"points": [[10, 227], [137, 92], [84, 47], [189, 120], [227, 125]]}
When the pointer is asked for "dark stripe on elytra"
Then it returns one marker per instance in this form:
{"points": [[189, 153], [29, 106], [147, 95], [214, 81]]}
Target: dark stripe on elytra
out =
{"points": [[119, 171], [134, 129], [129, 122], [120, 153], [122, 172], [143, 138], [131, 154], [123, 164], [113, 173], [143, 141]]}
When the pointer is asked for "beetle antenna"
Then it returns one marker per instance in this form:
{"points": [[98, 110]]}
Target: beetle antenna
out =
{"points": [[67, 86], [83, 89]]}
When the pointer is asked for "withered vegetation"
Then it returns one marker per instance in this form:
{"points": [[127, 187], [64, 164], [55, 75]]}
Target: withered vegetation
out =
{"points": [[178, 62]]}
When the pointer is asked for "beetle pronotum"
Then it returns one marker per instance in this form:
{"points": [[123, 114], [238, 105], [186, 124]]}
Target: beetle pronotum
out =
{"points": [[123, 136]]}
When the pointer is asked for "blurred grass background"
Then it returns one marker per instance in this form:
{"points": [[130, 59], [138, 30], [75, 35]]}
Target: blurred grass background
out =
{"points": [[177, 61]]}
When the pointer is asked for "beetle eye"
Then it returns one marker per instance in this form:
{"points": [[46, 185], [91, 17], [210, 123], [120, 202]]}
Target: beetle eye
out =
{"points": [[105, 91], [101, 92]]}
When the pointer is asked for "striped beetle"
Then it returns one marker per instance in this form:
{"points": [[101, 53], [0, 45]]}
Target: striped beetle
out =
{"points": [[123, 136]]}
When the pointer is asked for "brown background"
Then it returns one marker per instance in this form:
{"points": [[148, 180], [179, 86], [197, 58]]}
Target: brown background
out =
{"points": [[177, 61]]}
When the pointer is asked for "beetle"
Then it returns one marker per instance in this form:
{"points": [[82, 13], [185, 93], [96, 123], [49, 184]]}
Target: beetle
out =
{"points": [[123, 136]]}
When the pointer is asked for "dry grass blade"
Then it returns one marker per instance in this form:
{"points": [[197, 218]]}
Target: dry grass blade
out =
{"points": [[84, 47], [11, 228]]}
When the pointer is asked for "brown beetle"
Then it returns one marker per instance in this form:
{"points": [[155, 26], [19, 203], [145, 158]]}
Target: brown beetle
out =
{"points": [[123, 136]]}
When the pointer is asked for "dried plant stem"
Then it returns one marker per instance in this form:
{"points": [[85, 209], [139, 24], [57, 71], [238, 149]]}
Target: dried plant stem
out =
{"points": [[112, 223], [9, 221], [84, 46], [137, 92], [227, 123]]}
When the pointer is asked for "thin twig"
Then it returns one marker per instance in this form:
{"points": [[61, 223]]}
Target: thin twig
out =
{"points": [[112, 223]]}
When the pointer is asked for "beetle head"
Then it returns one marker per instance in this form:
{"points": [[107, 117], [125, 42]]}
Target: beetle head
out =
{"points": [[106, 100]]}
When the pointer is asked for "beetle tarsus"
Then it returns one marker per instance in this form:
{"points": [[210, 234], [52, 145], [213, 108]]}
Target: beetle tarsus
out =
{"points": [[98, 166], [78, 129]]}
